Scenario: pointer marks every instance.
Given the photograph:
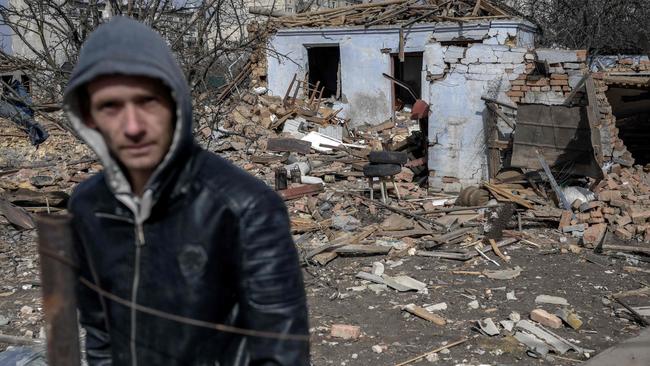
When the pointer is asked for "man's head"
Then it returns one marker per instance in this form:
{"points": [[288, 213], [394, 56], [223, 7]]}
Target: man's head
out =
{"points": [[135, 116], [129, 100]]}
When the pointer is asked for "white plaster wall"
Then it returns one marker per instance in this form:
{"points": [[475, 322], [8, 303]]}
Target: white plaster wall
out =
{"points": [[461, 75], [365, 92], [457, 141]]}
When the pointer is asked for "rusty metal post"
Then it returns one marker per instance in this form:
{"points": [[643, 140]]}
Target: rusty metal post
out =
{"points": [[58, 280]]}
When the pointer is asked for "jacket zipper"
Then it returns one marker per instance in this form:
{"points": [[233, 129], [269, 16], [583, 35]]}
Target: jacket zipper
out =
{"points": [[139, 243]]}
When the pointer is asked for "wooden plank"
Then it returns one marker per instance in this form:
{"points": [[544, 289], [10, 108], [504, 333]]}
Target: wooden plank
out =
{"points": [[288, 145], [501, 115], [16, 215], [362, 249], [477, 7], [297, 192]]}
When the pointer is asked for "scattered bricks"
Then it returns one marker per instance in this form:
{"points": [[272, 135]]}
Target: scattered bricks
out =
{"points": [[639, 215], [610, 218], [345, 331], [596, 220], [623, 234], [583, 217], [546, 319], [570, 318], [594, 234], [618, 203], [609, 195], [572, 228], [565, 219], [596, 214], [588, 206], [631, 229], [623, 220], [559, 76]]}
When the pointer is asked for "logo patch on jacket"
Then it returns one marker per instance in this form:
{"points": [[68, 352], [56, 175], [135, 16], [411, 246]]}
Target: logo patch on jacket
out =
{"points": [[192, 260]]}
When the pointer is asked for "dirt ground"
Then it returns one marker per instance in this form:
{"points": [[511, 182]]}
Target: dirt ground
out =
{"points": [[552, 265]]}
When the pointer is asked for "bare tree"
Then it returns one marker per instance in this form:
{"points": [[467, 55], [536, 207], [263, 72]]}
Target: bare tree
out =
{"points": [[208, 36], [601, 26]]}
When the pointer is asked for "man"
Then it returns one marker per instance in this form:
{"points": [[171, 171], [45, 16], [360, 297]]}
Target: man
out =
{"points": [[171, 227]]}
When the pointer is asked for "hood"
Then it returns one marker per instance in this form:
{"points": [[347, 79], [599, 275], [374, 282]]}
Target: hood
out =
{"points": [[127, 47]]}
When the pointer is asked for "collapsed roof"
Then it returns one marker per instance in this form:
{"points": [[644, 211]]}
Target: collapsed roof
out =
{"points": [[396, 12]]}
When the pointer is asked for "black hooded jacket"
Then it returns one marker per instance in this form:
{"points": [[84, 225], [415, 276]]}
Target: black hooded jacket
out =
{"points": [[205, 241]]}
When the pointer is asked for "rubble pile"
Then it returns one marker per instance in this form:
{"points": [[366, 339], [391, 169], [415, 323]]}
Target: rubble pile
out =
{"points": [[622, 204]]}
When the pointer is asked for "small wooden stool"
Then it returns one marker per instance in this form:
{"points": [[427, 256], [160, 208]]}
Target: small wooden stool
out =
{"points": [[385, 173]]}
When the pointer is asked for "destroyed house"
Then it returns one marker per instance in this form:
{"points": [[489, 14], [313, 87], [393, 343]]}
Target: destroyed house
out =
{"points": [[495, 102], [449, 55]]}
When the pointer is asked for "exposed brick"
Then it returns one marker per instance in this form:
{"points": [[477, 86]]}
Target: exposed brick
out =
{"points": [[623, 220], [546, 319], [623, 234], [515, 87], [536, 88], [537, 82], [565, 219], [594, 234], [639, 215], [560, 76], [609, 195], [556, 88], [519, 81], [559, 82], [345, 331], [515, 93], [618, 203]]}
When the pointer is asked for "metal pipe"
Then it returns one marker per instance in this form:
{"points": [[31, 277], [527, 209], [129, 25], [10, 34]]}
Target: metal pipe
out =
{"points": [[58, 279]]}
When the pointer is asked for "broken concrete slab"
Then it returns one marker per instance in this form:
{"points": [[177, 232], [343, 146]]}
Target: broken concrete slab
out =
{"points": [[404, 283]]}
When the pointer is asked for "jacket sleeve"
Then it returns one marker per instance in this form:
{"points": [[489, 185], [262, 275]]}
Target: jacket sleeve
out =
{"points": [[272, 294], [91, 312]]}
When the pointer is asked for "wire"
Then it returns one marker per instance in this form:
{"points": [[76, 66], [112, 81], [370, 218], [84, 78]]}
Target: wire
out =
{"points": [[173, 317]]}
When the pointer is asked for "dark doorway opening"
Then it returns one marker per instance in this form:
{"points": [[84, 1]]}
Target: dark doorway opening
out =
{"points": [[324, 69], [631, 107], [410, 73]]}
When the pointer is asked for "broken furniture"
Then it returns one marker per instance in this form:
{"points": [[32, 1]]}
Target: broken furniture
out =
{"points": [[314, 92], [384, 165]]}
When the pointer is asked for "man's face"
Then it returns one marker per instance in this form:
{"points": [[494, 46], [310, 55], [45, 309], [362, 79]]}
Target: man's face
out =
{"points": [[135, 115]]}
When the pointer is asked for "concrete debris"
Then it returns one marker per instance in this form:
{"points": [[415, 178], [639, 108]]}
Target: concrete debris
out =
{"points": [[547, 299], [488, 327], [404, 283], [505, 274]]}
